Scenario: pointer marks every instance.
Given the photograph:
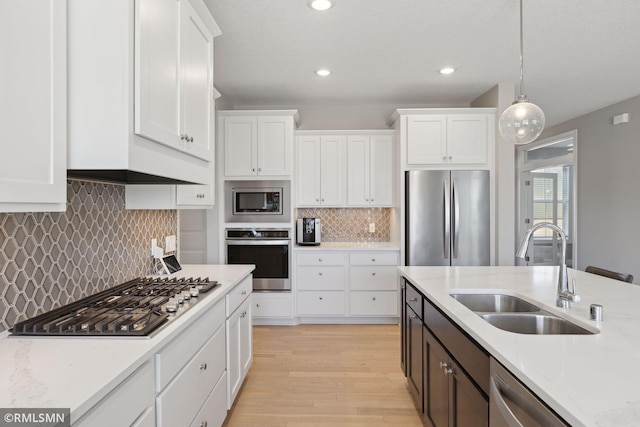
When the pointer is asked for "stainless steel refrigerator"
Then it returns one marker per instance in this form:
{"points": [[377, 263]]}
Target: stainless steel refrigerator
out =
{"points": [[447, 218]]}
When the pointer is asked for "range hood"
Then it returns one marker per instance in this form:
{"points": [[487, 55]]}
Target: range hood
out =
{"points": [[122, 176]]}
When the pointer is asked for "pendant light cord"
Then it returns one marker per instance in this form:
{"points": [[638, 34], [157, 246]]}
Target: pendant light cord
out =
{"points": [[521, 55]]}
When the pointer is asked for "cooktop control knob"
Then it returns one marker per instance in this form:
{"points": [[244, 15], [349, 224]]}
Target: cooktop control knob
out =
{"points": [[194, 291], [172, 305], [180, 298], [186, 295]]}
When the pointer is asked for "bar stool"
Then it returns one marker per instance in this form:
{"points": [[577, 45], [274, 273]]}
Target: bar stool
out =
{"points": [[610, 274]]}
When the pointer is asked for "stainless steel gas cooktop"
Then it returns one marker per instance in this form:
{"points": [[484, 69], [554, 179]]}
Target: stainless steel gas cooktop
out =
{"points": [[132, 309]]}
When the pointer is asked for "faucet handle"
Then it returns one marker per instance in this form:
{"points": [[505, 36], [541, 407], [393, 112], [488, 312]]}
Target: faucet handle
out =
{"points": [[571, 295]]}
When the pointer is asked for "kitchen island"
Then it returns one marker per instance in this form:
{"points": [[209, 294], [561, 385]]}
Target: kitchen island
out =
{"points": [[79, 372], [589, 380]]}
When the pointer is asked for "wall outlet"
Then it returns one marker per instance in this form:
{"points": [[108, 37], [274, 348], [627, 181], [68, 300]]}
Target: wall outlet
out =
{"points": [[154, 244], [170, 243], [372, 227]]}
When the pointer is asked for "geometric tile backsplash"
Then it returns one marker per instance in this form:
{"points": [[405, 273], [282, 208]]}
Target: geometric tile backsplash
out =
{"points": [[48, 259], [351, 224]]}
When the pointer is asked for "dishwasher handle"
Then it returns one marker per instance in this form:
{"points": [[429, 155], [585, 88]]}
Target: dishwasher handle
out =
{"points": [[496, 398]]}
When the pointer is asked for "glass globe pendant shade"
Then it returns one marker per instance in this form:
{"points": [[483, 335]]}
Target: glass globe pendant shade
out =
{"points": [[522, 122]]}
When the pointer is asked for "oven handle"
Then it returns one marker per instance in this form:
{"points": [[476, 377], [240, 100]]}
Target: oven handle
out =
{"points": [[249, 242]]}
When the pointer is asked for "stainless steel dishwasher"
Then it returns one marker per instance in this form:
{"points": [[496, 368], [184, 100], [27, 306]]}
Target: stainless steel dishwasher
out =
{"points": [[511, 404]]}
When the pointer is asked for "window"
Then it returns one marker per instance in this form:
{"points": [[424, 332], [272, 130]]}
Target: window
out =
{"points": [[547, 194]]}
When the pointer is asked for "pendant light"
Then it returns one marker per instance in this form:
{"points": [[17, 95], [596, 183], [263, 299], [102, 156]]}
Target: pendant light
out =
{"points": [[523, 121]]}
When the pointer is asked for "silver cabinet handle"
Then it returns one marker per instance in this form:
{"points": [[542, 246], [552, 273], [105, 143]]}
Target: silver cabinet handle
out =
{"points": [[373, 299], [413, 316], [320, 298], [373, 274], [203, 366], [444, 158], [373, 260], [319, 259], [414, 299], [257, 305], [204, 424], [320, 273]]}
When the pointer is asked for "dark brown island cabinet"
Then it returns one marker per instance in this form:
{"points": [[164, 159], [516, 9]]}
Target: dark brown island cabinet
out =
{"points": [[447, 371]]}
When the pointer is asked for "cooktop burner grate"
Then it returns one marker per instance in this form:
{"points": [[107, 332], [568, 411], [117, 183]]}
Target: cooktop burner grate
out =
{"points": [[134, 308]]}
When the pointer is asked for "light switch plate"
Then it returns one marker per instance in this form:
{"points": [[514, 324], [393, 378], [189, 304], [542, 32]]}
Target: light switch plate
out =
{"points": [[170, 243]]}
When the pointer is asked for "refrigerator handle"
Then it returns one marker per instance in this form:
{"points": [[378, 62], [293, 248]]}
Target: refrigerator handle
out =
{"points": [[456, 218], [447, 218]]}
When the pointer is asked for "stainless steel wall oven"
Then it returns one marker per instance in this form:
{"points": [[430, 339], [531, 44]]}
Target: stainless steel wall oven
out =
{"points": [[269, 249]]}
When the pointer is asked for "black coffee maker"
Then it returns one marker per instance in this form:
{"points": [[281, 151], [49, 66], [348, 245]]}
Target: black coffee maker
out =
{"points": [[308, 231]]}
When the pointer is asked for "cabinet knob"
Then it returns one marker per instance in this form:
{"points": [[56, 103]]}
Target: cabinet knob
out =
{"points": [[320, 273], [414, 299], [319, 259], [450, 158], [373, 274], [444, 158], [183, 136], [203, 366], [413, 317], [373, 260], [317, 200], [253, 169], [372, 200], [320, 298], [189, 138], [322, 200], [203, 424], [373, 299], [259, 169], [257, 305]]}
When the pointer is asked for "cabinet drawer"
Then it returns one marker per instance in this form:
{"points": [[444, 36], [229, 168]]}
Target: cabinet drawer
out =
{"points": [[214, 410], [186, 394], [177, 353], [374, 258], [468, 354], [320, 278], [321, 303], [271, 304], [238, 294], [373, 278], [321, 258], [125, 404], [382, 303], [413, 298]]}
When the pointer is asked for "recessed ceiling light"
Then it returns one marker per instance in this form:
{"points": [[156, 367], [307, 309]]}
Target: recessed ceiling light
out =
{"points": [[323, 72], [447, 70], [320, 4]]}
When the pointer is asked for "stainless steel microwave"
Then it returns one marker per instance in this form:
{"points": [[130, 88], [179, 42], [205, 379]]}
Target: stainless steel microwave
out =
{"points": [[257, 201]]}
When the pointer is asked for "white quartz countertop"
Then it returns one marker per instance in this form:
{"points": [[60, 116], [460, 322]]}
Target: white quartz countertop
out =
{"points": [[75, 373], [345, 246], [590, 380]]}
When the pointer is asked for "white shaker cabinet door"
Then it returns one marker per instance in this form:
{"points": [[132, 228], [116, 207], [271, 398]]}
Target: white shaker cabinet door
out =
{"points": [[358, 171], [240, 145], [308, 173], [332, 171], [196, 87], [275, 145], [467, 138], [33, 112], [426, 139], [157, 76], [381, 170]]}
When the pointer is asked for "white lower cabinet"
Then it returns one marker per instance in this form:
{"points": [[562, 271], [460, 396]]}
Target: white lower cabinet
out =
{"points": [[348, 284], [188, 368], [239, 338], [214, 410], [187, 393], [321, 303], [266, 305], [128, 404]]}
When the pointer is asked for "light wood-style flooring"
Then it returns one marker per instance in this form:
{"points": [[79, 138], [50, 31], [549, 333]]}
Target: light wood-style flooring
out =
{"points": [[325, 375]]}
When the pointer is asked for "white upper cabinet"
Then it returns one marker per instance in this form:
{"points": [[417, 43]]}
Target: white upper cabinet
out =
{"points": [[370, 170], [320, 170], [258, 143], [447, 137], [157, 93], [141, 88], [174, 106], [33, 116]]}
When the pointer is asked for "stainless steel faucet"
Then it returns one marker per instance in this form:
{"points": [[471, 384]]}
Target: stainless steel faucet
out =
{"points": [[564, 295]]}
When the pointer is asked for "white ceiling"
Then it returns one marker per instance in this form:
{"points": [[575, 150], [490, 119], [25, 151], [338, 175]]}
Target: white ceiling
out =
{"points": [[580, 55]]}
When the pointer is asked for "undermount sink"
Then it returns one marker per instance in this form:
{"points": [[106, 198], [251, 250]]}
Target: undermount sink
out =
{"points": [[494, 303], [514, 314], [541, 323]]}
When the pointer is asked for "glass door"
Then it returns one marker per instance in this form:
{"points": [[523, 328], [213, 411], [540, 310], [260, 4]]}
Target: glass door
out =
{"points": [[547, 194]]}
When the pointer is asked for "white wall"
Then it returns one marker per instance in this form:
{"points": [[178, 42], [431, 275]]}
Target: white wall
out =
{"points": [[500, 97], [608, 199]]}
